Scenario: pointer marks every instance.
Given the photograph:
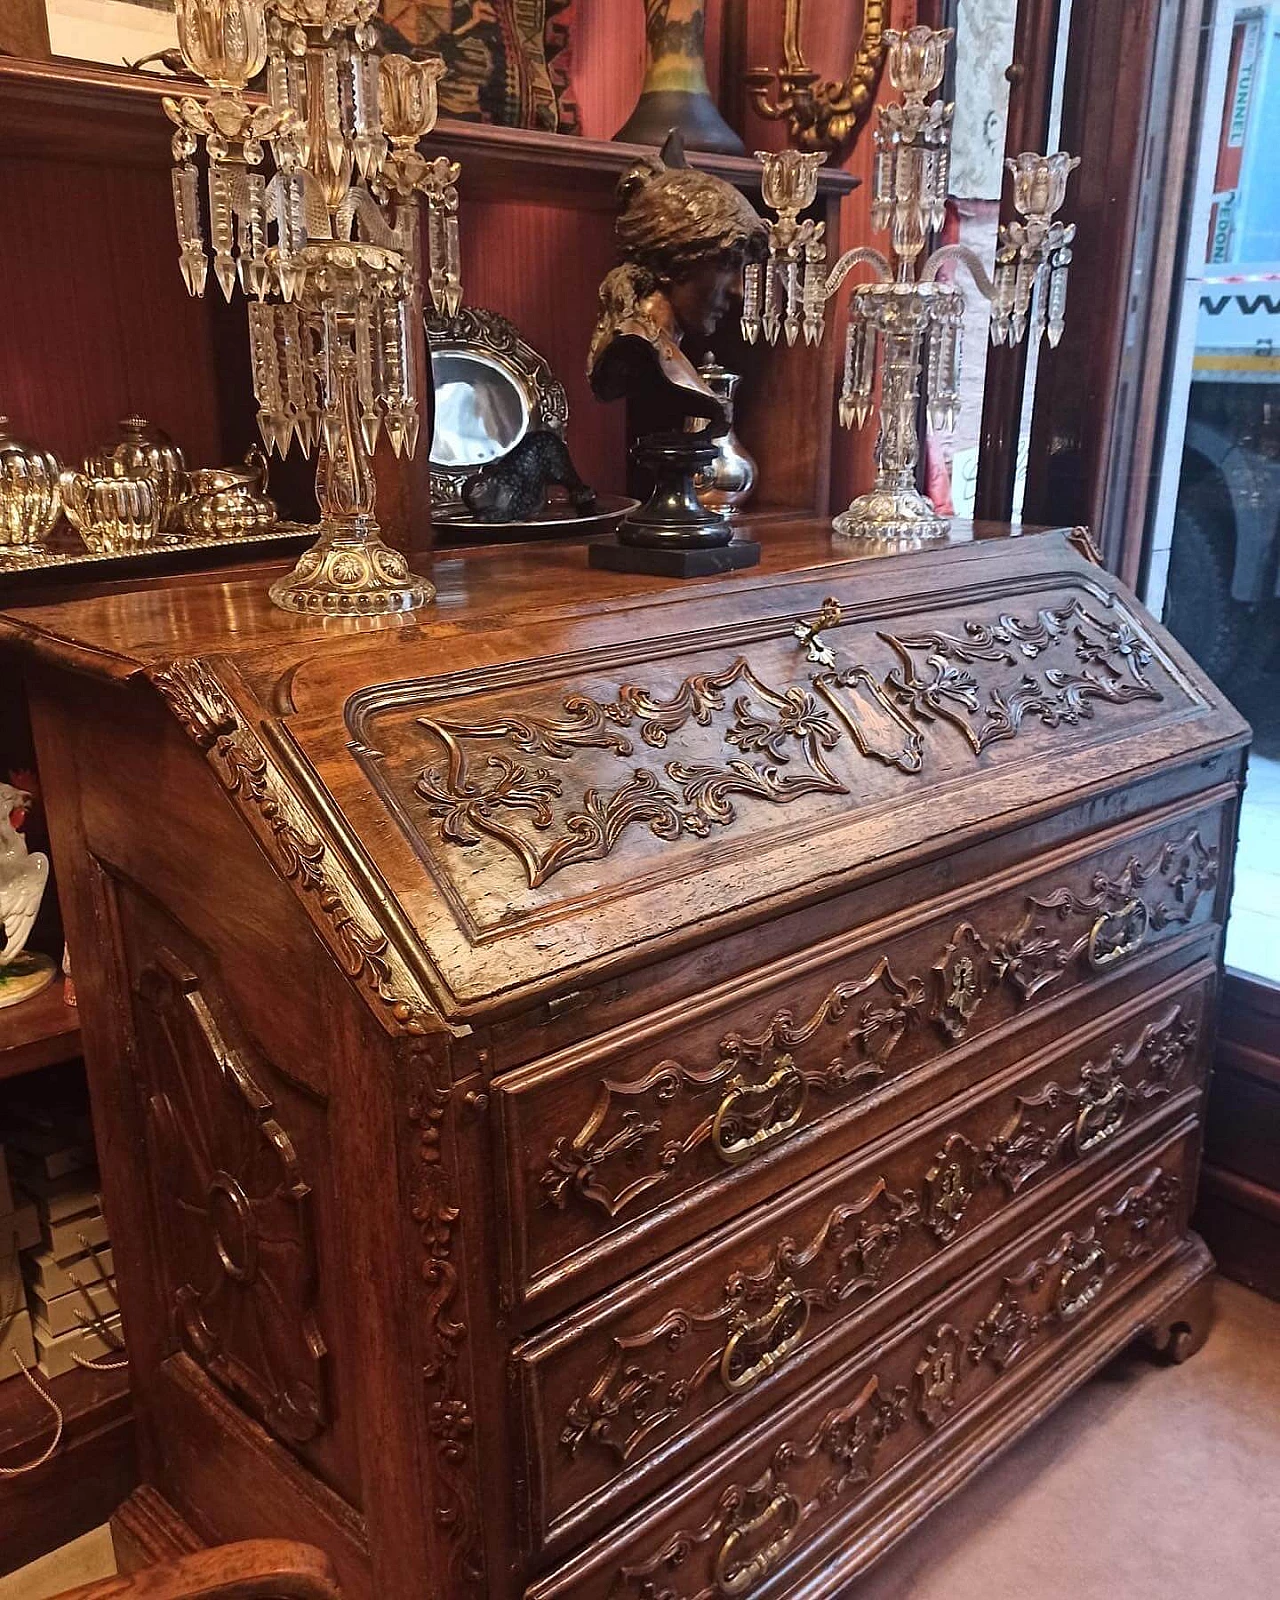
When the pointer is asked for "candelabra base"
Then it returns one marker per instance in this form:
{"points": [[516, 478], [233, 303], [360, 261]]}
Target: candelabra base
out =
{"points": [[349, 572], [896, 516]]}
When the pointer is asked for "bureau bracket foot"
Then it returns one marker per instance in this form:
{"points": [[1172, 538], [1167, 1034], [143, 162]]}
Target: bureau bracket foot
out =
{"points": [[1183, 1326], [146, 1530]]}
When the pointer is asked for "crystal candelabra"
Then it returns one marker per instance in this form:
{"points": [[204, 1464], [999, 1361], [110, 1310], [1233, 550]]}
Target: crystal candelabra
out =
{"points": [[323, 238], [909, 316]]}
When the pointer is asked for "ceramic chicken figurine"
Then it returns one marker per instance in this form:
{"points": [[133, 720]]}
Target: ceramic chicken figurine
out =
{"points": [[23, 875]]}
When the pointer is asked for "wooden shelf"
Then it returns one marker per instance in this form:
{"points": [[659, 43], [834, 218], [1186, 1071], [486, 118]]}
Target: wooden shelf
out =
{"points": [[91, 1473], [39, 1032], [102, 115]]}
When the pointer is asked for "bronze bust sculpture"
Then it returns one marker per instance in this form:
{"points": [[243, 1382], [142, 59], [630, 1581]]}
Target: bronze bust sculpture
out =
{"points": [[685, 238]]}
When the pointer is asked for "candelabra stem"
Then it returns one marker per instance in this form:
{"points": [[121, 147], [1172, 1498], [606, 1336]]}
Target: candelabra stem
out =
{"points": [[894, 509], [348, 571]]}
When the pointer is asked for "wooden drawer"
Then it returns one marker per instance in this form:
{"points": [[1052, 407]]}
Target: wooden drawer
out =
{"points": [[619, 1394], [618, 1150], [807, 1474]]}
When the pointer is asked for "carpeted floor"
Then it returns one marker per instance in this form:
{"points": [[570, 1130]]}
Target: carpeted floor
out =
{"points": [[1152, 1483]]}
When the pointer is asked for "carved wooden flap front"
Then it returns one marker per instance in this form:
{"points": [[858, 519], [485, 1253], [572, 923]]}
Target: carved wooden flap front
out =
{"points": [[534, 788]]}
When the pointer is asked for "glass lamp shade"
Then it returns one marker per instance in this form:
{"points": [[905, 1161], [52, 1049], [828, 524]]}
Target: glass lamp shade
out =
{"points": [[224, 41], [408, 97]]}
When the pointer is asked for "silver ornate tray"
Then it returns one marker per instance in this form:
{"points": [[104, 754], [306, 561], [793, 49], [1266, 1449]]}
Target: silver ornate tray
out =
{"points": [[68, 551], [456, 525]]}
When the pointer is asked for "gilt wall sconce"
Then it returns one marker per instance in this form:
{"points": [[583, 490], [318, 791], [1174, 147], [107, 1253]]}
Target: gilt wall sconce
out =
{"points": [[821, 115]]}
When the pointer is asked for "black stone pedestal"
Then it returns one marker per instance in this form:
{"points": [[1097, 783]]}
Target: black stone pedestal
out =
{"points": [[673, 561]]}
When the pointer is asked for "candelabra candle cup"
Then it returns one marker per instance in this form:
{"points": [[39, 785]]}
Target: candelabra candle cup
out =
{"points": [[917, 59], [113, 515], [408, 97], [30, 499], [223, 41], [1040, 182], [789, 181]]}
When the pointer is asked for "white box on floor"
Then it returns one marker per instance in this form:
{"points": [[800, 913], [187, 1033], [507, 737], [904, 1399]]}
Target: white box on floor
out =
{"points": [[71, 1195], [74, 1236], [20, 1230], [30, 1166]]}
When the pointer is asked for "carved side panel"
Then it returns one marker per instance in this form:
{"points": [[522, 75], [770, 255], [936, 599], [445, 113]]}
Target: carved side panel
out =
{"points": [[235, 1206], [441, 1321]]}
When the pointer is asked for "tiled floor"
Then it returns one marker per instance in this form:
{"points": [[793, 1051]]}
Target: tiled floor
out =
{"points": [[1253, 932], [1152, 1483]]}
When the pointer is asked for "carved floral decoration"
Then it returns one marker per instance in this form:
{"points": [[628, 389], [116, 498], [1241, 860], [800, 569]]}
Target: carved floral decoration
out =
{"points": [[659, 1376], [511, 778], [643, 1132], [810, 1480]]}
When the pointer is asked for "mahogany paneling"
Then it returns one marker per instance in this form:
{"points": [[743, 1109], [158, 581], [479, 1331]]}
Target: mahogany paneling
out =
{"points": [[97, 321], [1030, 77], [1240, 1199], [1106, 95], [541, 265]]}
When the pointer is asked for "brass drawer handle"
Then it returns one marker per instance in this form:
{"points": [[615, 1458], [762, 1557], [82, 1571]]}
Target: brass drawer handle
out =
{"points": [[753, 1115], [734, 1580], [1081, 1283], [1130, 924], [774, 1336], [1100, 1120]]}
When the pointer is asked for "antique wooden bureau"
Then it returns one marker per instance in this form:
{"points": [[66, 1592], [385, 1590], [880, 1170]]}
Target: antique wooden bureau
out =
{"points": [[625, 1090]]}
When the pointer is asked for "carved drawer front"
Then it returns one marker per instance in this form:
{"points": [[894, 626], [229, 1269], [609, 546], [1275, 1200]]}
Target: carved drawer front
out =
{"points": [[606, 1142], [734, 1322], [741, 1519]]}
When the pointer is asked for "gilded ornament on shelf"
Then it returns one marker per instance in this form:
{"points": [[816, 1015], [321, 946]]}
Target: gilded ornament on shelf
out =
{"points": [[143, 451], [30, 500], [229, 502], [112, 514]]}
